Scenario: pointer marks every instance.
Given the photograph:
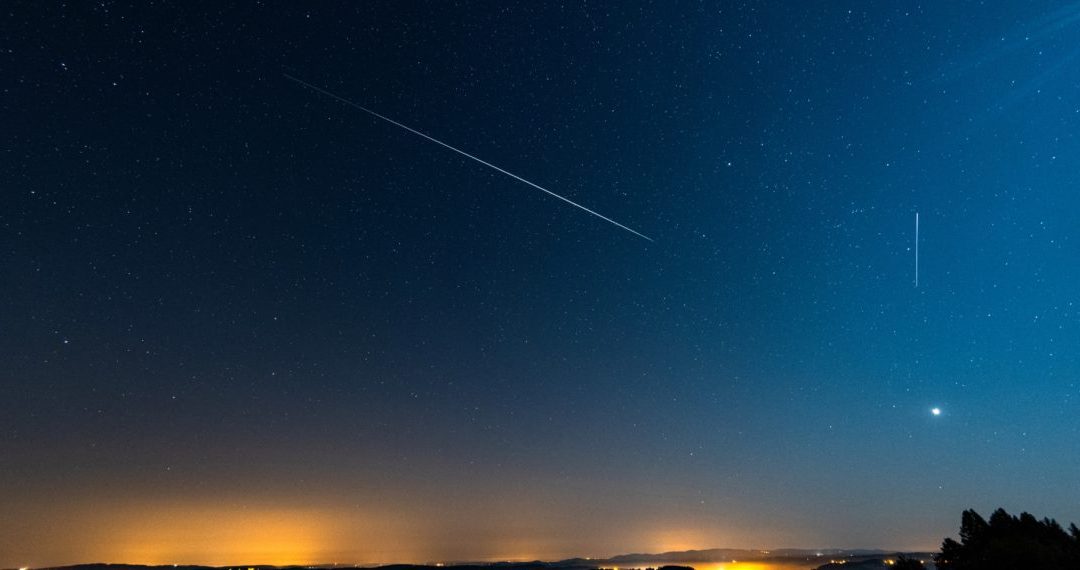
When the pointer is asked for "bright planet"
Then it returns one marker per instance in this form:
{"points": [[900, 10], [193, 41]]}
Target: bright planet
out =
{"points": [[420, 281]]}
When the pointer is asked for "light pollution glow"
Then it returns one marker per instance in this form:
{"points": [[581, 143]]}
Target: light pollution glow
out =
{"points": [[128, 521], [226, 533], [175, 534]]}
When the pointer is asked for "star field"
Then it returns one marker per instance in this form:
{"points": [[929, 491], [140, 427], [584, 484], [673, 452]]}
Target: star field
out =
{"points": [[245, 323]]}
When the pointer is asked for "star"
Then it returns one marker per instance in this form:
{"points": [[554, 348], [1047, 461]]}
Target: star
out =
{"points": [[935, 411]]}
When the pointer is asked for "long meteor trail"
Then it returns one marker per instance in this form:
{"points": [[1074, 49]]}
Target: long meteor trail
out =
{"points": [[461, 152]]}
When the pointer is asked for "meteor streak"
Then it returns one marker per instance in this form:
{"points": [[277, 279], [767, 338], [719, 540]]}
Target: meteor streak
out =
{"points": [[461, 152]]}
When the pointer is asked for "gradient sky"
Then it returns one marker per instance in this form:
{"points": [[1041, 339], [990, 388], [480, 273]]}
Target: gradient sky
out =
{"points": [[241, 322]]}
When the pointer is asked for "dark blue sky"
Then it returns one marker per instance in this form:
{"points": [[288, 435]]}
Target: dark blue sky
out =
{"points": [[225, 293]]}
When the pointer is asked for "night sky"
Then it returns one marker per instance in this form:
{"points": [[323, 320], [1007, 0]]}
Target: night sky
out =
{"points": [[243, 322]]}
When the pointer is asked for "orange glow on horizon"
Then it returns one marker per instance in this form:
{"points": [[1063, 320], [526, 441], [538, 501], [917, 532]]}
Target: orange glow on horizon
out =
{"points": [[679, 540], [267, 531], [739, 566], [221, 536]]}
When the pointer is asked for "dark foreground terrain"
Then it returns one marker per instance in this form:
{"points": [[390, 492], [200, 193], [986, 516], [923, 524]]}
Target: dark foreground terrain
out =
{"points": [[784, 559]]}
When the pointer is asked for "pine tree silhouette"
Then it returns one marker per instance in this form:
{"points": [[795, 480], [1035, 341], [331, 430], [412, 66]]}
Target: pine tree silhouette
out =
{"points": [[1009, 542]]}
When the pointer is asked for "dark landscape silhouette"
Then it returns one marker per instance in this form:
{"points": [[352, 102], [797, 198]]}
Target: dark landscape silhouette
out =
{"points": [[1004, 542]]}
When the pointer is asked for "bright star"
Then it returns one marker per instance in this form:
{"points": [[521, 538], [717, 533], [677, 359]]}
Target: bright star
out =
{"points": [[936, 411]]}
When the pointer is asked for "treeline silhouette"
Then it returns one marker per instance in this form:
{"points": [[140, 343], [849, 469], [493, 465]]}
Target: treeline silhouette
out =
{"points": [[1008, 542]]}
